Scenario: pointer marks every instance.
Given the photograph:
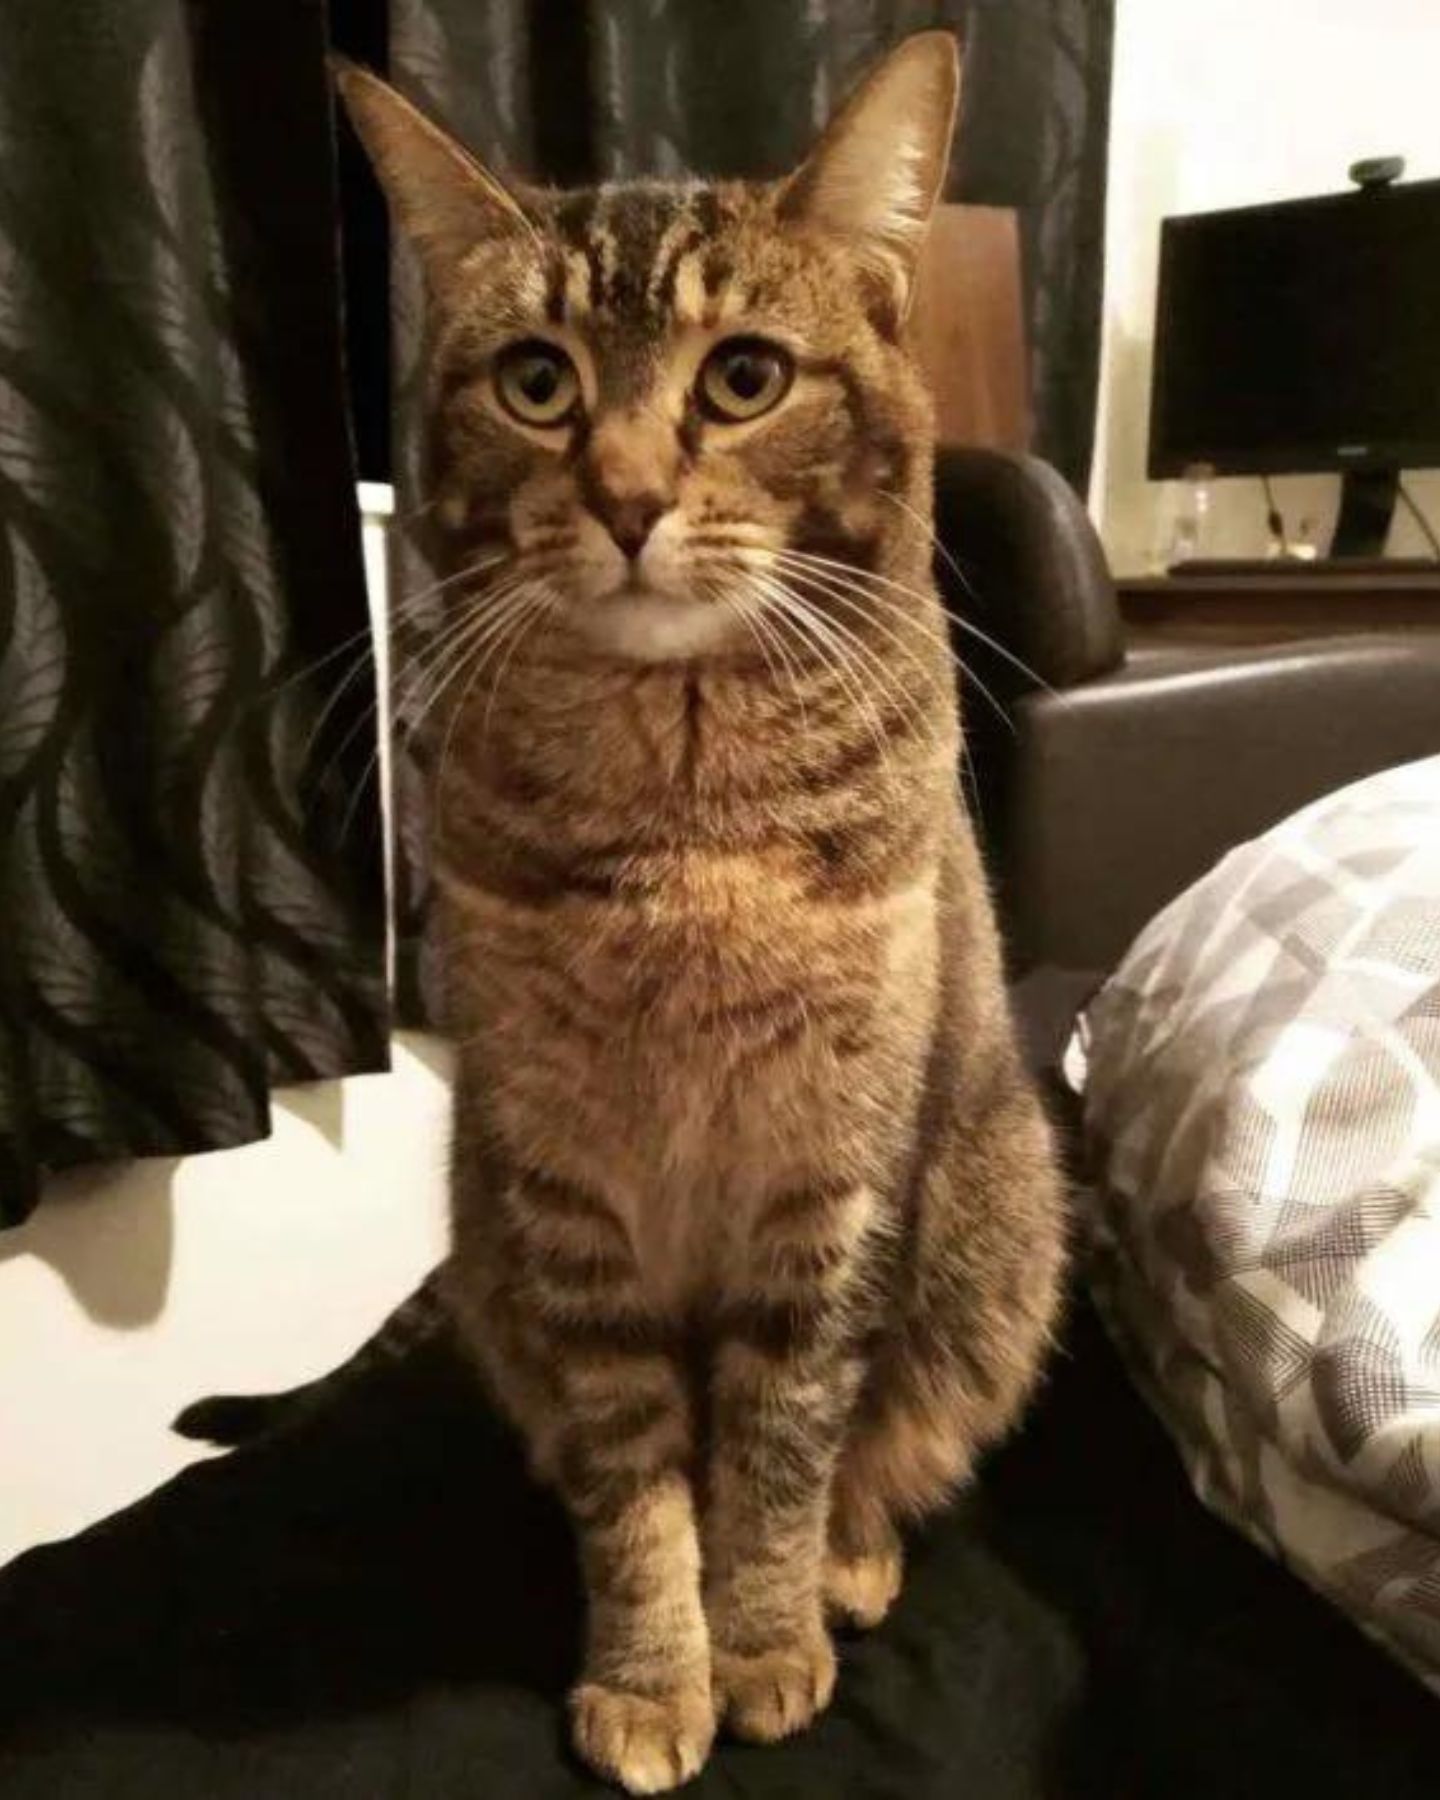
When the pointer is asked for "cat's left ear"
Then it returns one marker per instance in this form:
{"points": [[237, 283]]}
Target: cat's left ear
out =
{"points": [[877, 172]]}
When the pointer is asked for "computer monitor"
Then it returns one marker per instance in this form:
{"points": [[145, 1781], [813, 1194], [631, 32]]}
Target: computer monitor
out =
{"points": [[1301, 337]]}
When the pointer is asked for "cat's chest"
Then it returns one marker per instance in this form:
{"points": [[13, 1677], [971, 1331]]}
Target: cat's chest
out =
{"points": [[718, 963], [687, 1236]]}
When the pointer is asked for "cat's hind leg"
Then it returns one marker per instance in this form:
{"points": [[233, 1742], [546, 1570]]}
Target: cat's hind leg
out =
{"points": [[977, 1298]]}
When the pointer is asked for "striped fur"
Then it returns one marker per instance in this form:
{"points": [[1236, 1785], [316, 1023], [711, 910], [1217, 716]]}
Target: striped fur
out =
{"points": [[757, 1234]]}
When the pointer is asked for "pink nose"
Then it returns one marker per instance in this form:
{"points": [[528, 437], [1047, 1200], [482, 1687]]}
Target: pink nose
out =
{"points": [[630, 521]]}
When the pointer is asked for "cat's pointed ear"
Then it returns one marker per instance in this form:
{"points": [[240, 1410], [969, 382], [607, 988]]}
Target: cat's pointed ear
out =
{"points": [[877, 171], [441, 197]]}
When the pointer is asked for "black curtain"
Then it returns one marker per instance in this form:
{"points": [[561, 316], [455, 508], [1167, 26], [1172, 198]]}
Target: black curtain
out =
{"points": [[191, 901], [573, 91]]}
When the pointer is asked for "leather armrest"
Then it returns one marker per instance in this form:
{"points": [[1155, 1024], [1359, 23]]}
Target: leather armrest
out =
{"points": [[1126, 789], [1034, 572]]}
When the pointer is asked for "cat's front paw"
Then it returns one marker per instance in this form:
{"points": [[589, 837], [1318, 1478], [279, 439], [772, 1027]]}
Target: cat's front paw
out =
{"points": [[860, 1590], [647, 1743], [778, 1691]]}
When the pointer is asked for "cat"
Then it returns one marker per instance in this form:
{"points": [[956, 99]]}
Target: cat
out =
{"points": [[757, 1227]]}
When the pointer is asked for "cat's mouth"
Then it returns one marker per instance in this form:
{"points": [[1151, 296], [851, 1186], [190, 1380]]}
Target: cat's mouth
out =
{"points": [[635, 584], [664, 589], [646, 623]]}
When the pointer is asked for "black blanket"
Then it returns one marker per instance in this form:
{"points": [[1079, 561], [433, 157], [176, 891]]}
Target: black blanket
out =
{"points": [[378, 1605]]}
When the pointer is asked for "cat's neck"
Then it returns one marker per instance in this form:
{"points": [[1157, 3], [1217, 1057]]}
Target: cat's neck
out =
{"points": [[693, 750]]}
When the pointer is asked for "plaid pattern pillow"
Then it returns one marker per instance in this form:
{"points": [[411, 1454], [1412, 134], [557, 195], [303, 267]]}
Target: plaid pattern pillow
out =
{"points": [[1261, 1085]]}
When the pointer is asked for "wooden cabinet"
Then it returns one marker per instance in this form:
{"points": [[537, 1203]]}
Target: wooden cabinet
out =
{"points": [[1258, 609], [967, 326]]}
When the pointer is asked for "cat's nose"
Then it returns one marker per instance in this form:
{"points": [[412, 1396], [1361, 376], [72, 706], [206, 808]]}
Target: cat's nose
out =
{"points": [[631, 521]]}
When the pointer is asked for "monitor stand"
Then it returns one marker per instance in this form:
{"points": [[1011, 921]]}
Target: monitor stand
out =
{"points": [[1367, 507]]}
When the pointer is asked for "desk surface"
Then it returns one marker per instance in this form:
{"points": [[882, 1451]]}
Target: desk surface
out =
{"points": [[1288, 583], [1260, 608]]}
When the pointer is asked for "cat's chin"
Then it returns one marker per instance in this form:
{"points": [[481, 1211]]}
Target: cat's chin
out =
{"points": [[656, 627]]}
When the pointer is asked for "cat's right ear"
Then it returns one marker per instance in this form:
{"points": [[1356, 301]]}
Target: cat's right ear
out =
{"points": [[440, 196]]}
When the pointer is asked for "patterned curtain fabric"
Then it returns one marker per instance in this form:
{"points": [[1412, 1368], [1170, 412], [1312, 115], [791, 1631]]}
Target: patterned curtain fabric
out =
{"points": [[570, 91], [183, 921]]}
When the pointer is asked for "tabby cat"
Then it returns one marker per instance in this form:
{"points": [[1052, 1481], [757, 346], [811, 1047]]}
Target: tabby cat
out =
{"points": [[757, 1232]]}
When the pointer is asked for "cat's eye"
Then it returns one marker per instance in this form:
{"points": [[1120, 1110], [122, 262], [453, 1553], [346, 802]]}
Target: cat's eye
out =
{"points": [[744, 377], [536, 383]]}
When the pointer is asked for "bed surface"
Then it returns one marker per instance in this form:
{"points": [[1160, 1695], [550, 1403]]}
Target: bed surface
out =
{"points": [[380, 1607]]}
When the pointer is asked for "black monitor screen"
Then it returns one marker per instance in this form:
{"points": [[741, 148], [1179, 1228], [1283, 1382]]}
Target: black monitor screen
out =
{"points": [[1303, 336]]}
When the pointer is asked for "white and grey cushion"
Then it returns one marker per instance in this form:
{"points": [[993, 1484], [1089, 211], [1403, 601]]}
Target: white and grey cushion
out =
{"points": [[1262, 1100]]}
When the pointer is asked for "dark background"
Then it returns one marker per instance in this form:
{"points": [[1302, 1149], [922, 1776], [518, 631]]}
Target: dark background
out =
{"points": [[359, 29]]}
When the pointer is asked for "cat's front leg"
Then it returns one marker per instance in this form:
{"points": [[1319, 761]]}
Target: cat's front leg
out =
{"points": [[783, 1384], [620, 1449], [643, 1713]]}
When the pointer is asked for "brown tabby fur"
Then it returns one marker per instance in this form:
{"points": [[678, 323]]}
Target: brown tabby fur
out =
{"points": [[757, 1234]]}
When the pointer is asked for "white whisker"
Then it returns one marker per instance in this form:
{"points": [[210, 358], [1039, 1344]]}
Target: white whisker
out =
{"points": [[540, 603], [735, 596], [364, 638], [863, 602], [930, 599], [445, 654], [868, 599], [372, 706], [492, 624], [924, 525], [808, 624], [529, 607], [837, 594]]}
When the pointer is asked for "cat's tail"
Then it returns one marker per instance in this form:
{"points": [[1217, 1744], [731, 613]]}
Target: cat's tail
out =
{"points": [[234, 1419]]}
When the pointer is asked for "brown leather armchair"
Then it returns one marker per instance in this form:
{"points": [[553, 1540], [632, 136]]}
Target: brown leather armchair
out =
{"points": [[1119, 775]]}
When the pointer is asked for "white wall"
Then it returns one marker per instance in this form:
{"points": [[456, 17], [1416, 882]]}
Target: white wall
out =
{"points": [[139, 1287], [1224, 103]]}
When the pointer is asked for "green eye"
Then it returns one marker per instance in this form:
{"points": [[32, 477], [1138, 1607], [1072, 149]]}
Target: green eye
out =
{"points": [[536, 383], [744, 377]]}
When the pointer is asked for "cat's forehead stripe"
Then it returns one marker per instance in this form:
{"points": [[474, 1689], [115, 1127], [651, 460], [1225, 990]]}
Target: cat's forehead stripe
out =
{"points": [[579, 271], [688, 297], [606, 245], [641, 253], [676, 239]]}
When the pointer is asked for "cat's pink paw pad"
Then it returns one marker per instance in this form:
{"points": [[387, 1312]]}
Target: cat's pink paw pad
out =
{"points": [[647, 1743]]}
